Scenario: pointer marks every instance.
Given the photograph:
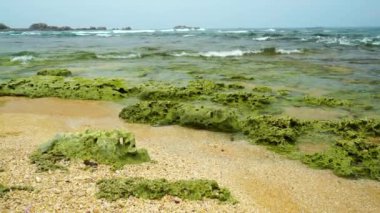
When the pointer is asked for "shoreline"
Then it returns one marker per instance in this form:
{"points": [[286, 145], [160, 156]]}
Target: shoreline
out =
{"points": [[255, 176]]}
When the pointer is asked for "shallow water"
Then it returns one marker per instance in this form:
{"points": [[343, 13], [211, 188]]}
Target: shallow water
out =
{"points": [[341, 63]]}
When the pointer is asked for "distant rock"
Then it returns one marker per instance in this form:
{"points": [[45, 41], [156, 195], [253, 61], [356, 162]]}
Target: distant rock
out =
{"points": [[39, 26], [43, 26], [182, 27], [4, 27], [126, 28]]}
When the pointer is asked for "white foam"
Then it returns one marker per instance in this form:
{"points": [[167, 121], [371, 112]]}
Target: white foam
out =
{"points": [[31, 33], [344, 41], [188, 35], [262, 38], [167, 30], [23, 59], [377, 43], [103, 35], [182, 30], [366, 40], [271, 30], [284, 51]]}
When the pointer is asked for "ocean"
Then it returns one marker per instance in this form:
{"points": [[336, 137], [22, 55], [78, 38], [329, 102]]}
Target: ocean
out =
{"points": [[335, 62]]}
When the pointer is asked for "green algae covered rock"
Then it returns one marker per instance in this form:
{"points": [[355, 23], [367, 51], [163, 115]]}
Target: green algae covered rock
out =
{"points": [[349, 158], [325, 101], [196, 88], [55, 72], [70, 88], [355, 128], [274, 131], [190, 115], [114, 189], [115, 148], [241, 98], [5, 189]]}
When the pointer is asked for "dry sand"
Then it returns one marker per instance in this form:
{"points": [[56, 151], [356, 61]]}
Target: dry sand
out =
{"points": [[261, 180]]}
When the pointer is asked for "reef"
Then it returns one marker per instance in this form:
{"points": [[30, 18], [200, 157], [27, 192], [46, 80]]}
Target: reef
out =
{"points": [[114, 189], [55, 72], [70, 88], [115, 148]]}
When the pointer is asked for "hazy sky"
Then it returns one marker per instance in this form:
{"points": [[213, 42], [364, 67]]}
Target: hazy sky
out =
{"points": [[145, 14]]}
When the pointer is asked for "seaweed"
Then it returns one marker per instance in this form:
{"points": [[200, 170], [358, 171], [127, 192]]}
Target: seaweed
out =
{"points": [[55, 72], [268, 130], [325, 101], [115, 148], [6, 189], [354, 128], [195, 88], [349, 158], [241, 98], [171, 112], [70, 88], [114, 189]]}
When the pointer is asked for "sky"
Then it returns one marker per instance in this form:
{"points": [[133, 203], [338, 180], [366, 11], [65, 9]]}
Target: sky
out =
{"points": [[161, 14]]}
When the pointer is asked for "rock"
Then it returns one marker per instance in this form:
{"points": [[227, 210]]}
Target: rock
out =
{"points": [[38, 26], [4, 27], [177, 200], [38, 179]]}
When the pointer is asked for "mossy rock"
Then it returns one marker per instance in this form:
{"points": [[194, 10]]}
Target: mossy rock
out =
{"points": [[269, 130], [115, 148], [70, 88], [114, 189], [325, 101], [354, 128], [352, 158], [6, 189], [242, 98], [194, 89], [55, 72], [190, 115]]}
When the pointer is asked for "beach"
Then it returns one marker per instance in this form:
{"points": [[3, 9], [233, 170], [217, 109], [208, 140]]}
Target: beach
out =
{"points": [[260, 179], [286, 120]]}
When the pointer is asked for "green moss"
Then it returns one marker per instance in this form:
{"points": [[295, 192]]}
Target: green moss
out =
{"points": [[55, 72], [113, 189], [349, 158], [169, 112], [242, 98], [325, 101], [354, 128], [273, 131], [196, 88], [240, 77], [71, 88], [262, 89], [5, 189], [115, 148]]}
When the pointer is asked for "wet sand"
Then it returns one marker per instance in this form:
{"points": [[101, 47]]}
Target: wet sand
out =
{"points": [[261, 180]]}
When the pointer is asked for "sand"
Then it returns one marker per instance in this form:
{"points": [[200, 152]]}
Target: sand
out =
{"points": [[259, 179]]}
